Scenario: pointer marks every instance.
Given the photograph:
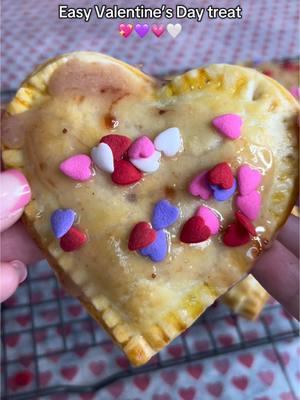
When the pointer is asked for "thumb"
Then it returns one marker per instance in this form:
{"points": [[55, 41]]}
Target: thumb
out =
{"points": [[14, 195], [12, 274]]}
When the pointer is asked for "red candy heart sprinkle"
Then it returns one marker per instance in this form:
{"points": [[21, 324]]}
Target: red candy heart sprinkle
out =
{"points": [[195, 231], [221, 175], [245, 222], [119, 145], [141, 236], [235, 235], [125, 173], [73, 239]]}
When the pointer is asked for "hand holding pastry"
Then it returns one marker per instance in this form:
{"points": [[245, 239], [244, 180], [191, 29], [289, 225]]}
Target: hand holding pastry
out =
{"points": [[17, 248]]}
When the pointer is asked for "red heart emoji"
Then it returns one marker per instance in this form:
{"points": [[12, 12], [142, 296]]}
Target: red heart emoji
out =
{"points": [[141, 236], [245, 222], [221, 175], [194, 231], [73, 239], [119, 145], [125, 173], [235, 235]]}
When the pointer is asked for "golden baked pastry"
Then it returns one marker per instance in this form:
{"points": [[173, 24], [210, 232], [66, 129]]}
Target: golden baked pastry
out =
{"points": [[247, 298], [66, 106]]}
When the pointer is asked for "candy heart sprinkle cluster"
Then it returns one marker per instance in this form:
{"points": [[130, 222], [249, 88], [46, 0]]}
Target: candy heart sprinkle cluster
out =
{"points": [[128, 160], [125, 160], [152, 241]]}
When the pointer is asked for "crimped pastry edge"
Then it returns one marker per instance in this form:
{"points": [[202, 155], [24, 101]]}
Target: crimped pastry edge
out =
{"points": [[136, 347]]}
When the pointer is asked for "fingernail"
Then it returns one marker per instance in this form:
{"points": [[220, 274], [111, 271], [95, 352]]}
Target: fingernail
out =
{"points": [[14, 192], [20, 268]]}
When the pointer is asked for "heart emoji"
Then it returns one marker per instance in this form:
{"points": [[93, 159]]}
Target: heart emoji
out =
{"points": [[142, 147], [224, 194], [169, 142], [249, 179], [164, 214], [157, 251], [210, 219], [103, 157], [149, 164], [195, 231], [101, 257], [142, 235], [61, 221], [221, 175], [77, 167], [174, 30], [125, 30], [118, 144], [141, 30], [249, 205], [228, 125], [200, 187], [158, 30]]}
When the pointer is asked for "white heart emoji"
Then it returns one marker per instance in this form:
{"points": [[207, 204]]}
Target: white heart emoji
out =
{"points": [[169, 142], [103, 157], [149, 164], [174, 29]]}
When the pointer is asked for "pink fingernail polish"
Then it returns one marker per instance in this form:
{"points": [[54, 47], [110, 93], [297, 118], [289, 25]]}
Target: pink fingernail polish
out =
{"points": [[14, 192], [20, 268]]}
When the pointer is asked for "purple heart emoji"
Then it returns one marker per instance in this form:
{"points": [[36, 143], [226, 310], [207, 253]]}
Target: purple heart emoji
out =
{"points": [[157, 251], [62, 220], [141, 30], [164, 214], [223, 194]]}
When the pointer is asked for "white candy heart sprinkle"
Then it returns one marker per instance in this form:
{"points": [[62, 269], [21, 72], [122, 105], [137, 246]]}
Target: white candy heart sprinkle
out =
{"points": [[169, 142], [149, 164], [103, 157]]}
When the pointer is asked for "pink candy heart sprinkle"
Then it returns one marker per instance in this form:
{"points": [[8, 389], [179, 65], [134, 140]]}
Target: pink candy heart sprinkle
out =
{"points": [[142, 147], [248, 179], [199, 186], [210, 218], [228, 125], [250, 205], [77, 167]]}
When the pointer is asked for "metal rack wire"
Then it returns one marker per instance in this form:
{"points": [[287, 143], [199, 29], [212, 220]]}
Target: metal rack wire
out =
{"points": [[61, 324]]}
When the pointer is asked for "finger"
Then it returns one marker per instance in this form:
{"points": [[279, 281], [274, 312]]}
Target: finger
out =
{"points": [[14, 195], [289, 235], [278, 272], [17, 244], [12, 274]]}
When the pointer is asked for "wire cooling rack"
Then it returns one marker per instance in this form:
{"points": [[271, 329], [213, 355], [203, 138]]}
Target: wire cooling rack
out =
{"points": [[41, 323]]}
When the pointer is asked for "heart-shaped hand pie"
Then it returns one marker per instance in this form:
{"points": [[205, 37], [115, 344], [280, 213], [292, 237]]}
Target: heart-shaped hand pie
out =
{"points": [[147, 295]]}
